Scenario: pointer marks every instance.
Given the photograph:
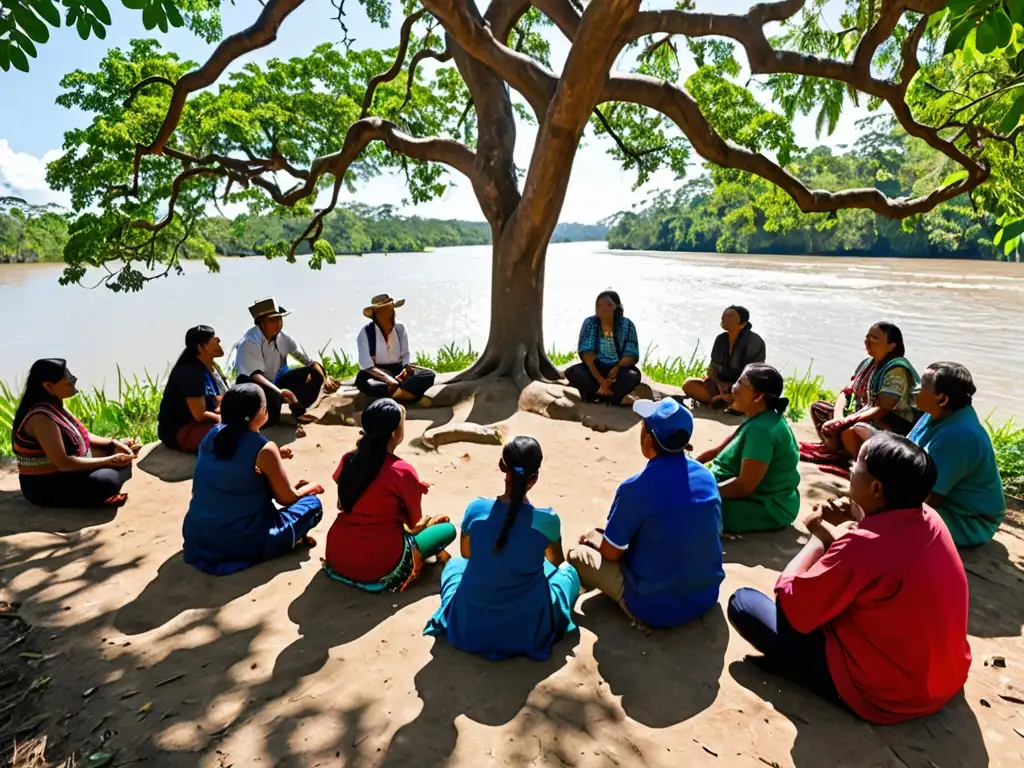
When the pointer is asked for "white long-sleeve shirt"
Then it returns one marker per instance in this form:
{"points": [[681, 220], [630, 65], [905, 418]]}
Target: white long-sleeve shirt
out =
{"points": [[255, 353], [394, 349]]}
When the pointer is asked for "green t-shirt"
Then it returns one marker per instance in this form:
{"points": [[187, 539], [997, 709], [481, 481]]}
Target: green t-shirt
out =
{"points": [[775, 502]]}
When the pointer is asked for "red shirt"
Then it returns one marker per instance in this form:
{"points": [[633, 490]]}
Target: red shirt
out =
{"points": [[892, 598], [367, 543]]}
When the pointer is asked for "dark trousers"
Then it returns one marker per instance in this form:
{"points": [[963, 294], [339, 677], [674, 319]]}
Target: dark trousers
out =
{"points": [[416, 383], [787, 653], [305, 383], [75, 490], [579, 376]]}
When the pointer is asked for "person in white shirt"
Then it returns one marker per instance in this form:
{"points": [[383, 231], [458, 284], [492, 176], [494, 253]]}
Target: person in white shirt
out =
{"points": [[384, 356], [261, 357]]}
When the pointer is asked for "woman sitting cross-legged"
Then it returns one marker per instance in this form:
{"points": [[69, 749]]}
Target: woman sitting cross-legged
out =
{"points": [[381, 537], [734, 349], [60, 464], [511, 593], [756, 466], [609, 351], [233, 521], [190, 406], [385, 360], [871, 615], [880, 392]]}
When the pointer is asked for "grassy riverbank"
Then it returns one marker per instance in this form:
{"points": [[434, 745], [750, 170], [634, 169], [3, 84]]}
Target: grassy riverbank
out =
{"points": [[132, 411]]}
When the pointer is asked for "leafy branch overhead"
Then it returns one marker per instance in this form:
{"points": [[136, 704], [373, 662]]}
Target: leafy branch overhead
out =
{"points": [[660, 86]]}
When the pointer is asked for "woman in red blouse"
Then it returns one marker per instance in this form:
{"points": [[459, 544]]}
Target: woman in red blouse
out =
{"points": [[871, 614], [381, 536]]}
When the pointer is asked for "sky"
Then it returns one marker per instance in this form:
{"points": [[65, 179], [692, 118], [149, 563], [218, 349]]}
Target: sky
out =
{"points": [[32, 125]]}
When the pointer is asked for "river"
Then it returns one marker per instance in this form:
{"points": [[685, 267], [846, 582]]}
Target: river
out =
{"points": [[809, 310]]}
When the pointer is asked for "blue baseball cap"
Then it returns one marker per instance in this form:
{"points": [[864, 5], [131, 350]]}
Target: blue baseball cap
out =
{"points": [[665, 419]]}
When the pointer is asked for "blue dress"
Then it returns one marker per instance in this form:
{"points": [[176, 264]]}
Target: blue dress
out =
{"points": [[232, 521], [512, 602]]}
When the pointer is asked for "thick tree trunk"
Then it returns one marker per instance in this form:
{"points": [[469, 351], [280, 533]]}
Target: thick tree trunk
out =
{"points": [[515, 342]]}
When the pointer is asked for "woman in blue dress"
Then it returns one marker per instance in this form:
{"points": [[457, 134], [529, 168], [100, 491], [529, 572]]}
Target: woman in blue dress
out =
{"points": [[511, 593], [232, 521]]}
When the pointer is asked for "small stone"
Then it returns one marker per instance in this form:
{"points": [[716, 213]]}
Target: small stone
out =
{"points": [[996, 661]]}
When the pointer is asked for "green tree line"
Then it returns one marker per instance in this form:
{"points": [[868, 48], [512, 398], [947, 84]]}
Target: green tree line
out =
{"points": [[731, 212]]}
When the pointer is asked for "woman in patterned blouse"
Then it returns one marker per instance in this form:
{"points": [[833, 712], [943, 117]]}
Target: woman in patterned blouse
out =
{"points": [[609, 352]]}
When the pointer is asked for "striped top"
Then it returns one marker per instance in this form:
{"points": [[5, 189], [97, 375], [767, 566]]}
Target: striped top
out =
{"points": [[32, 460]]}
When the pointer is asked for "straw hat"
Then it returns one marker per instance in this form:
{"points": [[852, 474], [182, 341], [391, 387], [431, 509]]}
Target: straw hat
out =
{"points": [[383, 301], [267, 308]]}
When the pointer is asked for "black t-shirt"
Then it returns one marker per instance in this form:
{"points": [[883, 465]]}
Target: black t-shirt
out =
{"points": [[749, 348], [188, 379]]}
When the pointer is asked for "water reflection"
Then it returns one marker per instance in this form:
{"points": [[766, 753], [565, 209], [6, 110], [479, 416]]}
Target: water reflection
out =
{"points": [[807, 309]]}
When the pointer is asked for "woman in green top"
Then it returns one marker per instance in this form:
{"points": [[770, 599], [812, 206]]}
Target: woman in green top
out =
{"points": [[756, 466]]}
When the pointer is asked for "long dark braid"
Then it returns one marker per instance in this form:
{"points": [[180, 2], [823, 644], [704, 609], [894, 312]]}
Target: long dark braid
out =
{"points": [[361, 466], [521, 459]]}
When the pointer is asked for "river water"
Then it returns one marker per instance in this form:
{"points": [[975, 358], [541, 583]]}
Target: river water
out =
{"points": [[809, 310]]}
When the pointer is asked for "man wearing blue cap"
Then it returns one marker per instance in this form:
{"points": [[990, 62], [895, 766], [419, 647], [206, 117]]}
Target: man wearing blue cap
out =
{"points": [[659, 556]]}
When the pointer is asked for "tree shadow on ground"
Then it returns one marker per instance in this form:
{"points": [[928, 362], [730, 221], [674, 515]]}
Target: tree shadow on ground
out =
{"points": [[829, 735], [168, 465], [455, 683], [996, 583], [329, 613], [772, 549], [178, 587], [18, 516], [607, 418], [666, 677]]}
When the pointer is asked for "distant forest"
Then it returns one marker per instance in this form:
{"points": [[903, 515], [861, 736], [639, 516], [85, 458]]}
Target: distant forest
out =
{"points": [[730, 212], [39, 233]]}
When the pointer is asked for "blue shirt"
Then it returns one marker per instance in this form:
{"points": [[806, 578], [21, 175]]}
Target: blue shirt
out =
{"points": [[503, 605], [623, 344], [968, 474], [668, 519]]}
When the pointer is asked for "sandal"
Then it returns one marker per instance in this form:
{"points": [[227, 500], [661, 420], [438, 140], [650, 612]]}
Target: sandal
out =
{"points": [[117, 500]]}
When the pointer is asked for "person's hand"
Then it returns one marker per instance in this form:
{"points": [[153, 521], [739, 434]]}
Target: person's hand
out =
{"points": [[426, 521], [425, 487], [814, 521], [286, 453], [592, 539], [330, 385], [289, 397], [304, 488], [122, 447], [833, 426], [604, 388], [837, 511], [703, 457], [613, 374], [120, 460]]}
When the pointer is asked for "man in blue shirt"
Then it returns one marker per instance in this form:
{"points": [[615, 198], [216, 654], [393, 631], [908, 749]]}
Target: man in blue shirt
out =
{"points": [[969, 493], [660, 556]]}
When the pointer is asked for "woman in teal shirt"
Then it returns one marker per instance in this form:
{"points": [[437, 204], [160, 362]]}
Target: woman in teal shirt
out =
{"points": [[756, 466], [969, 493]]}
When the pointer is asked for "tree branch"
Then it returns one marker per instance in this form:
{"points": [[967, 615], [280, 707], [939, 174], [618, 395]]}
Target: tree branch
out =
{"points": [[392, 73], [623, 147], [417, 57]]}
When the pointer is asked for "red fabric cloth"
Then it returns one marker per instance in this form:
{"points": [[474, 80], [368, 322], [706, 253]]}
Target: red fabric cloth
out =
{"points": [[892, 598], [366, 544]]}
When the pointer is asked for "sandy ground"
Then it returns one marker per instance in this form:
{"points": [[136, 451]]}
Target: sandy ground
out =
{"points": [[278, 666]]}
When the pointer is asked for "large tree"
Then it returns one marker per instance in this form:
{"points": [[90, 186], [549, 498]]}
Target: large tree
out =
{"points": [[950, 86]]}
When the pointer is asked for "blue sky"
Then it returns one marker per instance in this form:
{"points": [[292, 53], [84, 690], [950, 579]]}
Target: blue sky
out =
{"points": [[32, 125]]}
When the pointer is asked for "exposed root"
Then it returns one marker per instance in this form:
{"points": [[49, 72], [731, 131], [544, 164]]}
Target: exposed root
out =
{"points": [[519, 374]]}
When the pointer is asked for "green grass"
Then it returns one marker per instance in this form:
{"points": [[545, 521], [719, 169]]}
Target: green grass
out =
{"points": [[1008, 441], [132, 412]]}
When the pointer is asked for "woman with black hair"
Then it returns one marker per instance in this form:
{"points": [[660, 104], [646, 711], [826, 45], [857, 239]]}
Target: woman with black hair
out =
{"points": [[191, 403], [233, 521], [381, 537], [60, 463], [734, 349], [871, 615], [511, 593], [756, 466], [609, 351], [879, 394]]}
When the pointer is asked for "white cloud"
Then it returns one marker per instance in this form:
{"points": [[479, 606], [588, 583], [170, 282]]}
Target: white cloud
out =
{"points": [[24, 175]]}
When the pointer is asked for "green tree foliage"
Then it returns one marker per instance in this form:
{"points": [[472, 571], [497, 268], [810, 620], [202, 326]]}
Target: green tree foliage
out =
{"points": [[25, 24], [31, 232], [729, 212]]}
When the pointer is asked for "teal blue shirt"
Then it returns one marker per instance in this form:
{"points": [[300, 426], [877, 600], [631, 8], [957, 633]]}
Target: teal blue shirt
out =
{"points": [[968, 474]]}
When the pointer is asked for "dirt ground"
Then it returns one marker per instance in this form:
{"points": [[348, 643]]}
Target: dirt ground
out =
{"points": [[147, 658]]}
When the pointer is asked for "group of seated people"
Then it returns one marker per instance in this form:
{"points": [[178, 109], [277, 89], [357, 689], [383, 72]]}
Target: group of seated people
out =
{"points": [[876, 568]]}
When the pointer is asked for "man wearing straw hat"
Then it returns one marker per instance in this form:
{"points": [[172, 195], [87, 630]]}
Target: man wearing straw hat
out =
{"points": [[385, 358], [261, 357]]}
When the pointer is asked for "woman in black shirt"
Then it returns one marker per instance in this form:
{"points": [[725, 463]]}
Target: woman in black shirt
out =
{"points": [[191, 404], [734, 349]]}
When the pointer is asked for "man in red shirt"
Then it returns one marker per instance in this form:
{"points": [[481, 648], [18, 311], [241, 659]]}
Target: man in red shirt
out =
{"points": [[871, 614]]}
